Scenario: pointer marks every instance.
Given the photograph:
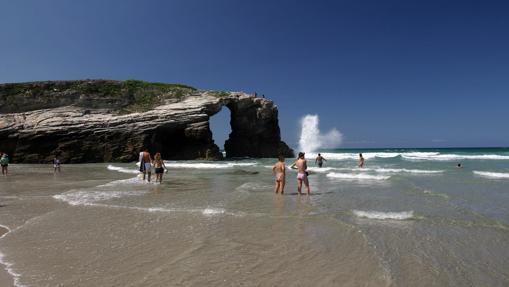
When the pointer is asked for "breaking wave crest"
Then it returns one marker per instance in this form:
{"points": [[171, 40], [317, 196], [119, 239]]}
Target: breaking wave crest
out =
{"points": [[351, 176], [208, 165], [404, 215], [496, 175], [122, 170]]}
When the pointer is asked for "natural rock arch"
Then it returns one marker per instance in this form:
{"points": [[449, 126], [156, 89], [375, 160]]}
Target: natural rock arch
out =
{"points": [[101, 120]]}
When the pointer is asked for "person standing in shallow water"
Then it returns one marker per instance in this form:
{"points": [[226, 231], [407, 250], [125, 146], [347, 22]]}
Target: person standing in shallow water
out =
{"points": [[146, 164], [319, 160], [159, 167], [56, 164], [361, 161], [302, 175], [279, 171], [4, 162]]}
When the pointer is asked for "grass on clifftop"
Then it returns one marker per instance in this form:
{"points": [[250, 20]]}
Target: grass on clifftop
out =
{"points": [[122, 96], [146, 95]]}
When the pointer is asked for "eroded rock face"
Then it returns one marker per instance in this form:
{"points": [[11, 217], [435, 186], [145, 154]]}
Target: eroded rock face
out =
{"points": [[102, 121]]}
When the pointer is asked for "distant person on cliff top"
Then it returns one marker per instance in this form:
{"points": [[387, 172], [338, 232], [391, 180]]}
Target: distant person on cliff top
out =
{"points": [[145, 164], [302, 175], [4, 162], [279, 171], [56, 164], [159, 167], [361, 161], [319, 160]]}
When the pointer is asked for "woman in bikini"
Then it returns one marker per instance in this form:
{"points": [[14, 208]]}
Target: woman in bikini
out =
{"points": [[279, 172], [159, 167]]}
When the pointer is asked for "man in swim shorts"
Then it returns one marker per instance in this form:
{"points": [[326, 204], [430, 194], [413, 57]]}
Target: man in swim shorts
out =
{"points": [[319, 160], [146, 163], [302, 175], [279, 170]]}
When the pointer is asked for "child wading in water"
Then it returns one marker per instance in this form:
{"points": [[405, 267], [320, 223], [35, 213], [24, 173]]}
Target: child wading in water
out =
{"points": [[159, 167], [279, 171]]}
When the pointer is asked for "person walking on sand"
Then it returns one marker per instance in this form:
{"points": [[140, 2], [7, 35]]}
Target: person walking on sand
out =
{"points": [[56, 164], [302, 175], [4, 162], [159, 167], [361, 161], [145, 164], [319, 160], [279, 171]]}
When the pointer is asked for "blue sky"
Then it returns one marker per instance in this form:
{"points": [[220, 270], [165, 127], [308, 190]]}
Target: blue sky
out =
{"points": [[385, 73]]}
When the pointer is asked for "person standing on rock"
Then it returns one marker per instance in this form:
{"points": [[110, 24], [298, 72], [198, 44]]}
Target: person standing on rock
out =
{"points": [[4, 162], [146, 164], [302, 175]]}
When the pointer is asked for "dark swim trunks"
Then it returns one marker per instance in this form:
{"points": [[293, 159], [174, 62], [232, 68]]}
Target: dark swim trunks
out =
{"points": [[159, 170]]}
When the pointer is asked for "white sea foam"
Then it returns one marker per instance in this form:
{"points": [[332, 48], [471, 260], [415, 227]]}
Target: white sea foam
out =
{"points": [[455, 157], [496, 175], [312, 139], [253, 186], [384, 215], [321, 169], [208, 165], [413, 156], [8, 266], [122, 170], [404, 170], [93, 195], [213, 211], [88, 197], [356, 176]]}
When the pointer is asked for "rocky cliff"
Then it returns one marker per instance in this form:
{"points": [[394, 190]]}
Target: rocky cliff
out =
{"points": [[104, 120]]}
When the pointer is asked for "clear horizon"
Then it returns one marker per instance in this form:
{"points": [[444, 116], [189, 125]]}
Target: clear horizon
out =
{"points": [[386, 74]]}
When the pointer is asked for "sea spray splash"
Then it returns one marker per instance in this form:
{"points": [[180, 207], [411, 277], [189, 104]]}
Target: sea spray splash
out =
{"points": [[311, 139]]}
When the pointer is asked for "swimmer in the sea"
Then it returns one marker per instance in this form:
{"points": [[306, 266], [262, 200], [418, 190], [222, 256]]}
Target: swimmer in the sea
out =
{"points": [[279, 171], [361, 161], [302, 175], [319, 160]]}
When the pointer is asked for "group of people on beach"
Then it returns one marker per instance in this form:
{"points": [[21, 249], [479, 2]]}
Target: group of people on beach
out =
{"points": [[147, 163], [279, 170]]}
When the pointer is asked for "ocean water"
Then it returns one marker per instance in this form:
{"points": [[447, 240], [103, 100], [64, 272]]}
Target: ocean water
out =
{"points": [[409, 218]]}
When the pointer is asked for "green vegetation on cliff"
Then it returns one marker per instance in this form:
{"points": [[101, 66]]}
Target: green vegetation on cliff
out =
{"points": [[121, 96]]}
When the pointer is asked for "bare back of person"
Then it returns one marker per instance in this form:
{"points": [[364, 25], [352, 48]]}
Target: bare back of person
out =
{"points": [[302, 175]]}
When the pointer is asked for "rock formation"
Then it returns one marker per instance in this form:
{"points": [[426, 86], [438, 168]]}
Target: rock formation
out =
{"points": [[104, 120]]}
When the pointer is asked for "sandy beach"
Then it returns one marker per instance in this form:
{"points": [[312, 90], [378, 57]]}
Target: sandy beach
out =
{"points": [[398, 222], [5, 277]]}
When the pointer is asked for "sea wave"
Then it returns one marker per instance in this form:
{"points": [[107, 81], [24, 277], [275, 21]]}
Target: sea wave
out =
{"points": [[122, 169], [8, 265], [404, 215], [89, 196], [455, 157], [404, 170], [173, 164], [496, 175], [416, 156], [358, 176]]}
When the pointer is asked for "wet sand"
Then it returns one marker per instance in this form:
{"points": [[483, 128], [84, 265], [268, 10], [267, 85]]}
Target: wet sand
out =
{"points": [[98, 225], [5, 278]]}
